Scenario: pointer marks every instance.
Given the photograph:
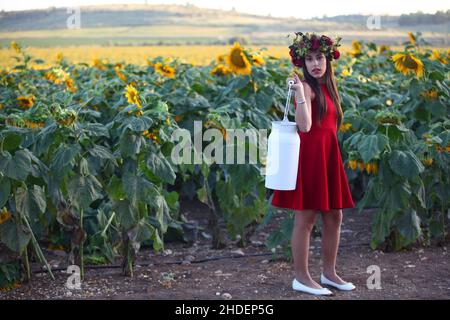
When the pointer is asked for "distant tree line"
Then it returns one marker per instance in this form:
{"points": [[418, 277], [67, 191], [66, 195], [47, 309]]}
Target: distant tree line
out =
{"points": [[424, 18]]}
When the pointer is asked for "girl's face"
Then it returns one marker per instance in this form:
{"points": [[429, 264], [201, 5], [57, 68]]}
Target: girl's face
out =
{"points": [[316, 64]]}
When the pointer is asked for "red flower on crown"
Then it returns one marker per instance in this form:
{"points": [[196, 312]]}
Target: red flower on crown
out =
{"points": [[303, 43]]}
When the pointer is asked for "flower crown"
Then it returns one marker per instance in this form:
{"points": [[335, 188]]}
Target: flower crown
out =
{"points": [[303, 43]]}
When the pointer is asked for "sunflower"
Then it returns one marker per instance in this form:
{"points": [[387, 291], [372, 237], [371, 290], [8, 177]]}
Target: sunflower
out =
{"points": [[26, 101], [69, 85], [120, 74], [412, 38], [99, 64], [437, 56], [356, 48], [15, 46], [407, 62], [4, 216], [221, 70], [353, 164], [345, 72], [344, 127], [132, 95], [431, 94], [59, 57], [50, 76], [371, 168], [361, 166], [59, 76], [427, 161], [384, 48], [152, 135], [221, 58], [237, 60], [165, 70], [258, 60]]}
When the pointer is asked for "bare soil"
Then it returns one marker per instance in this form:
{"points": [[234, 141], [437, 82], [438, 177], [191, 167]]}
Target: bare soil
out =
{"points": [[253, 272]]}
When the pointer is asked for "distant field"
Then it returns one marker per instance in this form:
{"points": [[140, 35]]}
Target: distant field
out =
{"points": [[197, 55], [194, 35]]}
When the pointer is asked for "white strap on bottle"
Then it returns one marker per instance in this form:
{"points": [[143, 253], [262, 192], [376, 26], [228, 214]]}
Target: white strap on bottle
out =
{"points": [[288, 100]]}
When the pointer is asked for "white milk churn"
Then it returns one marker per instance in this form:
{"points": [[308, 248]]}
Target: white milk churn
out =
{"points": [[283, 152]]}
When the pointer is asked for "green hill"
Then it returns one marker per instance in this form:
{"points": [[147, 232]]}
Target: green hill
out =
{"points": [[177, 24]]}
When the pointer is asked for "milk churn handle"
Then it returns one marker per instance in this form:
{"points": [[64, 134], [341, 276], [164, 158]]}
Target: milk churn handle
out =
{"points": [[288, 100]]}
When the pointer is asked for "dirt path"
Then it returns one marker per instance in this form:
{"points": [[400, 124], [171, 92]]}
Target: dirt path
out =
{"points": [[420, 273]]}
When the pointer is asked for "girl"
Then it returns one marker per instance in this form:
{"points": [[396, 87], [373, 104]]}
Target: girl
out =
{"points": [[321, 180]]}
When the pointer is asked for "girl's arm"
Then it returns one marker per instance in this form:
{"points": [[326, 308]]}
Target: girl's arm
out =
{"points": [[303, 110]]}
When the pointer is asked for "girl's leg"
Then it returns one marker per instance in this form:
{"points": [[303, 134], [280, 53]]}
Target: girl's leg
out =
{"points": [[330, 243], [303, 223]]}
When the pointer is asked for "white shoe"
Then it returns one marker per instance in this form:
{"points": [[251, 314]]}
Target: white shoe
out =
{"points": [[296, 285], [344, 287]]}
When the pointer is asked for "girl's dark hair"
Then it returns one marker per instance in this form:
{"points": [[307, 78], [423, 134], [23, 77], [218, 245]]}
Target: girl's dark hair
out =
{"points": [[332, 89]]}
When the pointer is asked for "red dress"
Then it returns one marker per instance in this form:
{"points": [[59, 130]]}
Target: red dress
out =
{"points": [[321, 180]]}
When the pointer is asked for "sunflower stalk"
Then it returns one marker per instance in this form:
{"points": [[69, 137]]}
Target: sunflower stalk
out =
{"points": [[218, 241], [103, 233], [37, 248], [81, 246], [27, 263]]}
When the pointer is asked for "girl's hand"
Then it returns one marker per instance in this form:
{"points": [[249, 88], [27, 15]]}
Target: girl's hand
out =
{"points": [[298, 85]]}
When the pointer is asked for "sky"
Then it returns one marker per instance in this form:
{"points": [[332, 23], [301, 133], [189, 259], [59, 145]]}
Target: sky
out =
{"points": [[276, 8]]}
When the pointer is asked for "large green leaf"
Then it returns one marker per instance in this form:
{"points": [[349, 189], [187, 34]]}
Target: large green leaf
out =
{"points": [[115, 189], [172, 199], [31, 202], [12, 140], [127, 214], [95, 129], [263, 101], [202, 195], [353, 140], [409, 226], [14, 236], [381, 227], [5, 190], [64, 159], [438, 109], [158, 244], [15, 167], [39, 169], [405, 163], [160, 167], [138, 188], [141, 232], [136, 124], [101, 152], [397, 198], [83, 190], [244, 177], [162, 212], [370, 146], [130, 145], [370, 102]]}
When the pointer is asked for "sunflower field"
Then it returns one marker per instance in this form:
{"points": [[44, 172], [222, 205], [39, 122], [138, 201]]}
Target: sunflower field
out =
{"points": [[85, 150]]}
